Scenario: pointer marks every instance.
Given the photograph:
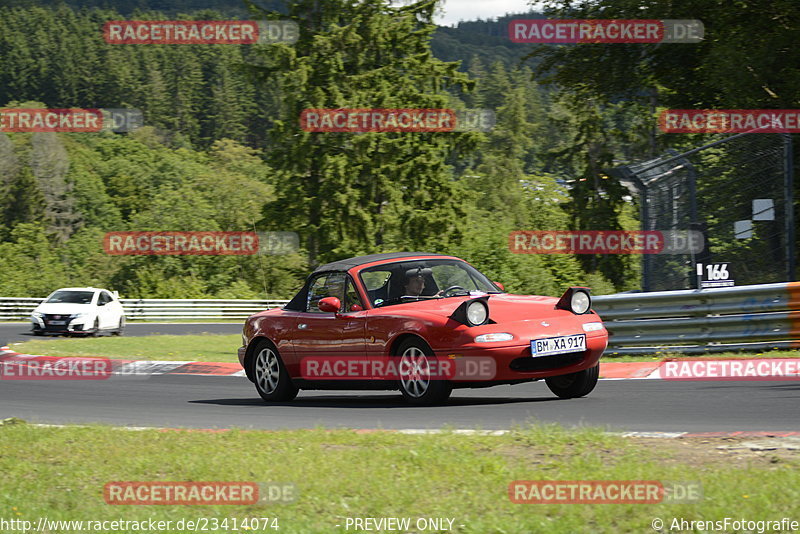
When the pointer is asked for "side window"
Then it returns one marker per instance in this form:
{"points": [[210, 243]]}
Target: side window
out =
{"points": [[325, 285], [377, 285], [352, 302], [375, 279], [104, 299]]}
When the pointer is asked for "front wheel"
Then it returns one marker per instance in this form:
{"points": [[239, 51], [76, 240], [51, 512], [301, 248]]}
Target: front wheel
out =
{"points": [[96, 329], [574, 384], [416, 383], [121, 328], [270, 375]]}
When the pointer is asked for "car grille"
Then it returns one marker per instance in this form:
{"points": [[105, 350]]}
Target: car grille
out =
{"points": [[543, 363], [49, 317], [56, 317]]}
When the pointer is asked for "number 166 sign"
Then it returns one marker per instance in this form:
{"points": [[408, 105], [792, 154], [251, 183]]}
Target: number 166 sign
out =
{"points": [[714, 275]]}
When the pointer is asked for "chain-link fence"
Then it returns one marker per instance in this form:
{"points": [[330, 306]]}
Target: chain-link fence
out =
{"points": [[737, 191]]}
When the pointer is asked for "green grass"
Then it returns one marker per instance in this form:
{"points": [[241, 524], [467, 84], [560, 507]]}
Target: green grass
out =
{"points": [[200, 348], [222, 348], [60, 473]]}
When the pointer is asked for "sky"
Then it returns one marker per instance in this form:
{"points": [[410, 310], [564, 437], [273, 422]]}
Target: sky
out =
{"points": [[456, 10]]}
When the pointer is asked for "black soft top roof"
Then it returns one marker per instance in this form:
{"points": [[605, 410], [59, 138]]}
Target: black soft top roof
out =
{"points": [[344, 265], [298, 303]]}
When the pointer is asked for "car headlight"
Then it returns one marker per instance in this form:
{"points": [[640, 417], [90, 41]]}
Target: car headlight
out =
{"points": [[592, 327], [37, 315], [575, 300], [580, 302], [499, 336], [79, 315], [477, 312]]}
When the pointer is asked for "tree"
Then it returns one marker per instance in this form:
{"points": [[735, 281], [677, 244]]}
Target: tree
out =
{"points": [[9, 171], [50, 165], [344, 193]]}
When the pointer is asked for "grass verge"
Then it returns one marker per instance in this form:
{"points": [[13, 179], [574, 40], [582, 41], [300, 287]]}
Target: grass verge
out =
{"points": [[199, 348], [59, 473], [222, 348]]}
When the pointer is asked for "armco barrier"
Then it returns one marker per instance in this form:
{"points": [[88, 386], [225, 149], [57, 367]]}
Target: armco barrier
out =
{"points": [[157, 309], [756, 317]]}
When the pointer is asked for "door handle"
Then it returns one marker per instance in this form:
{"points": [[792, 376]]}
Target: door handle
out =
{"points": [[302, 326]]}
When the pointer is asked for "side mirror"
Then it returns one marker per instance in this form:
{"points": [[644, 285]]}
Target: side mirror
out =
{"points": [[329, 305], [498, 284]]}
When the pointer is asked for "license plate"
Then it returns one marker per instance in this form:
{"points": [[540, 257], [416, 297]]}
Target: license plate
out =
{"points": [[558, 345], [57, 322]]}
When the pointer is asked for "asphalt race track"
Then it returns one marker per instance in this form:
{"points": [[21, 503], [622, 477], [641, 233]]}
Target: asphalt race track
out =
{"points": [[225, 402], [18, 332]]}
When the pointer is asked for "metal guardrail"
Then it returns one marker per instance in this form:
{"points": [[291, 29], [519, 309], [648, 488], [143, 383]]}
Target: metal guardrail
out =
{"points": [[12, 309], [21, 308], [756, 317]]}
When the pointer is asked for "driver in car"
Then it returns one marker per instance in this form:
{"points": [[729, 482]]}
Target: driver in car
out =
{"points": [[415, 283]]}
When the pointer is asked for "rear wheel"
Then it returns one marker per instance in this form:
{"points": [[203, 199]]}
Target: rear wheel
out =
{"points": [[574, 384], [270, 375], [416, 383]]}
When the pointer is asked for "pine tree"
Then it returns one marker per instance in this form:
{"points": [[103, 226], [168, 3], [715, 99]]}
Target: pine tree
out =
{"points": [[50, 165], [346, 193]]}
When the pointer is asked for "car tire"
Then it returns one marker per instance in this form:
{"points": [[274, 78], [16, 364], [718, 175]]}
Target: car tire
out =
{"points": [[121, 328], [417, 390], [574, 385], [96, 328], [270, 376]]}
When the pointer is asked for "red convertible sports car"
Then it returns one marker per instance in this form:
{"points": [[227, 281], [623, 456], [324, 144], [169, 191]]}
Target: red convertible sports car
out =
{"points": [[423, 324]]}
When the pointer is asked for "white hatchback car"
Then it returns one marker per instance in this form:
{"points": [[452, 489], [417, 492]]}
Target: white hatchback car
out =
{"points": [[79, 310]]}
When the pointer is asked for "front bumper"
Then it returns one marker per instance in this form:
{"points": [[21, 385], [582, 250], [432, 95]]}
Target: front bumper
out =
{"points": [[241, 353], [43, 326], [512, 363]]}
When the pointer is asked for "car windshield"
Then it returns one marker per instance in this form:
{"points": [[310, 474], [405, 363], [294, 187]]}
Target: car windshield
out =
{"points": [[406, 281], [72, 297]]}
